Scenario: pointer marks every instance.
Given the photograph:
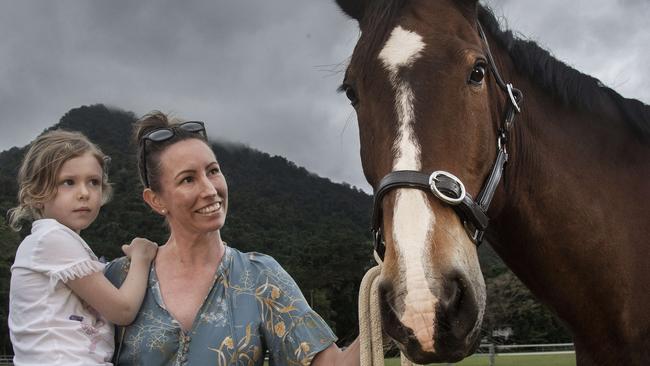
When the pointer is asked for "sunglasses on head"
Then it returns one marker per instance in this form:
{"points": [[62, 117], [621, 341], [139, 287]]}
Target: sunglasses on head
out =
{"points": [[164, 134]]}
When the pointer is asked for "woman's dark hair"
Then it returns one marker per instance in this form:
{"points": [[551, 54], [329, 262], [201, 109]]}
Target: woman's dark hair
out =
{"points": [[150, 122]]}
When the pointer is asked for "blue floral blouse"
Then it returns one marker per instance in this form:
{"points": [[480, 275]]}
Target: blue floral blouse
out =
{"points": [[254, 306]]}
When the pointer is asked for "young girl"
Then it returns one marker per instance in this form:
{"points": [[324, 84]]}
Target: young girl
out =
{"points": [[59, 297]]}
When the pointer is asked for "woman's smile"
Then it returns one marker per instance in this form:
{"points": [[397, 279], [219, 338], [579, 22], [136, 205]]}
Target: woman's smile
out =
{"points": [[211, 209]]}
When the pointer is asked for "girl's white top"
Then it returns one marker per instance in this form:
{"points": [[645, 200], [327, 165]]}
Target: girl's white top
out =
{"points": [[48, 323]]}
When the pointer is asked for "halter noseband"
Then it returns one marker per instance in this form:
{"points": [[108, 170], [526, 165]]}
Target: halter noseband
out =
{"points": [[446, 186]]}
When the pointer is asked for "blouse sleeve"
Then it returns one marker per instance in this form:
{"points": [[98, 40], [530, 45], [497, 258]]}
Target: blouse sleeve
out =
{"points": [[63, 257], [293, 332], [117, 270]]}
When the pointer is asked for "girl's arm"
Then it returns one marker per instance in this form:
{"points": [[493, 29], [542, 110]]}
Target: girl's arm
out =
{"points": [[119, 306], [333, 356]]}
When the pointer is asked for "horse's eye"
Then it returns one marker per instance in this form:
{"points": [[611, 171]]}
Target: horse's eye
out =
{"points": [[477, 75], [350, 94]]}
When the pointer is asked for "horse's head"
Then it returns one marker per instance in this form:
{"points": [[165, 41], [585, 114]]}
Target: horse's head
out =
{"points": [[419, 82]]}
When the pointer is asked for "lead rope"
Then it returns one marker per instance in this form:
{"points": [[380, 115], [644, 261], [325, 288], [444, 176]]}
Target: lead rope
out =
{"points": [[370, 332]]}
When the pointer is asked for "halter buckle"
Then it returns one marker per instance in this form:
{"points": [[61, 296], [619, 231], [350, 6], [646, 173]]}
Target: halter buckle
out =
{"points": [[513, 100], [433, 178], [502, 141], [475, 235], [380, 248]]}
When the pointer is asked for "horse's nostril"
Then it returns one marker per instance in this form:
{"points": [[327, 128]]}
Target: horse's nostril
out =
{"points": [[388, 301], [458, 308], [456, 291]]}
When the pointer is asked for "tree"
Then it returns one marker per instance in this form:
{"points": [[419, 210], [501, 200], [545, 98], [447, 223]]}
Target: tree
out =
{"points": [[9, 241]]}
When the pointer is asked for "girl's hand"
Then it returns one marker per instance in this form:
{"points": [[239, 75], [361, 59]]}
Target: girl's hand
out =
{"points": [[141, 248], [119, 305]]}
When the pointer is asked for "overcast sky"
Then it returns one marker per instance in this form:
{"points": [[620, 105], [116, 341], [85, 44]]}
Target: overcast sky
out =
{"points": [[263, 73]]}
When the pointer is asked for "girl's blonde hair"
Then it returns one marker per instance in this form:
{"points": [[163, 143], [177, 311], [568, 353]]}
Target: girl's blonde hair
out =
{"points": [[39, 170]]}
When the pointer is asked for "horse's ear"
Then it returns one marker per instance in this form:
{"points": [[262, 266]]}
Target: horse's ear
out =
{"points": [[353, 8]]}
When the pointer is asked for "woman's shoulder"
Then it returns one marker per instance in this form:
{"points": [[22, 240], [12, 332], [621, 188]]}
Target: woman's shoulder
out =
{"points": [[262, 272], [117, 269], [121, 263], [253, 260]]}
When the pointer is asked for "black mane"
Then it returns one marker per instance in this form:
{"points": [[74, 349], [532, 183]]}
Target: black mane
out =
{"points": [[570, 86]]}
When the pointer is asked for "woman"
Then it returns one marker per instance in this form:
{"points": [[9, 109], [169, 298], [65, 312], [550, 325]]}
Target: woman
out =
{"points": [[208, 303]]}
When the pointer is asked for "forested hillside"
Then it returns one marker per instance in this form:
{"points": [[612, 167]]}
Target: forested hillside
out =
{"points": [[317, 229]]}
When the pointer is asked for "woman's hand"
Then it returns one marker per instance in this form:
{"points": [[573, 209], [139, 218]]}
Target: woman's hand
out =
{"points": [[141, 249], [333, 356]]}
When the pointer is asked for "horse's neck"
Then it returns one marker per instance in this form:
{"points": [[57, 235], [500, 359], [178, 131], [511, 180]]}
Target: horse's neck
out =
{"points": [[574, 219]]}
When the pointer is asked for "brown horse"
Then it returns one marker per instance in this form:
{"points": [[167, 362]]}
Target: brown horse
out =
{"points": [[569, 213]]}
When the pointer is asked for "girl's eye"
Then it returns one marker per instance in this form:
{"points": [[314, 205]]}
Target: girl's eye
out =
{"points": [[68, 182], [214, 171], [95, 182], [188, 179], [477, 75]]}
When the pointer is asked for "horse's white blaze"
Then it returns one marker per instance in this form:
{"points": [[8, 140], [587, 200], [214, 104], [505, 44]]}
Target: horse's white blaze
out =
{"points": [[406, 145], [413, 219]]}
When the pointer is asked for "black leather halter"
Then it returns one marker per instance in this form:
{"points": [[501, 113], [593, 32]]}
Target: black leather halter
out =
{"points": [[447, 187]]}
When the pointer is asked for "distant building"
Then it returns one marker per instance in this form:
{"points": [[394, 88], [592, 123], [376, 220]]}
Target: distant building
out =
{"points": [[504, 333]]}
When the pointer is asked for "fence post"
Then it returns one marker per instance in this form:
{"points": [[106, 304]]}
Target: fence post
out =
{"points": [[492, 354]]}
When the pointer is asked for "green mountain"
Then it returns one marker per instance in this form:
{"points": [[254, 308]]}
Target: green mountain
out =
{"points": [[317, 229]]}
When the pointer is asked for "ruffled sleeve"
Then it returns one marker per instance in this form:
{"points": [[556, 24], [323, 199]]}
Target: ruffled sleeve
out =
{"points": [[64, 256], [293, 332], [78, 270]]}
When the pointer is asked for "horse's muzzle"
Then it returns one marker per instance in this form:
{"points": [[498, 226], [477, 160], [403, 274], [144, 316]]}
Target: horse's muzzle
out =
{"points": [[454, 326]]}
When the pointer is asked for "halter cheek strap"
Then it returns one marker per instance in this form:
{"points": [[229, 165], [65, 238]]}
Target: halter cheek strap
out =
{"points": [[447, 187]]}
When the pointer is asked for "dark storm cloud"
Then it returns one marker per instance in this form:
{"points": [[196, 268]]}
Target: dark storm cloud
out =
{"points": [[263, 73]]}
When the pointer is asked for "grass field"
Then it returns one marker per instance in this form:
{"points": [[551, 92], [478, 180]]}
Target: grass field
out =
{"points": [[509, 360]]}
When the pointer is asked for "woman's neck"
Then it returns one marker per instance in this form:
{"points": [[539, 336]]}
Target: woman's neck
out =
{"points": [[193, 250]]}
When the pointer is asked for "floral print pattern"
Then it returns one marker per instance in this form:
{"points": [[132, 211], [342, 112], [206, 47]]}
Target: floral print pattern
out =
{"points": [[253, 307]]}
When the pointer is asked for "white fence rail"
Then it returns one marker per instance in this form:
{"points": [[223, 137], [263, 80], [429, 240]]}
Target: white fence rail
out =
{"points": [[528, 348], [6, 360], [491, 350]]}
